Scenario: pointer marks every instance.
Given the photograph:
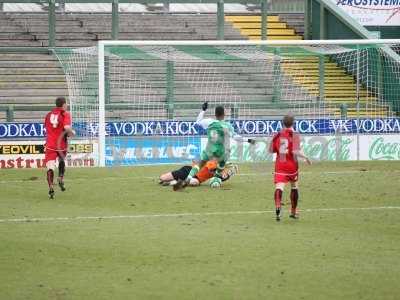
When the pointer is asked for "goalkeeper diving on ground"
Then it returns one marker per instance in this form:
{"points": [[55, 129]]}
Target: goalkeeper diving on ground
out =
{"points": [[219, 133], [205, 173]]}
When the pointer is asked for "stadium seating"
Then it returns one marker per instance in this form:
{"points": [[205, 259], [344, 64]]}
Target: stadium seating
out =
{"points": [[82, 30], [250, 26], [33, 80], [36, 79], [339, 87], [250, 83], [43, 80]]}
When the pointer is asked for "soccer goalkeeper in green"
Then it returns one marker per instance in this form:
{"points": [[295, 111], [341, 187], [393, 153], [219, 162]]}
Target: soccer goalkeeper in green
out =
{"points": [[219, 133]]}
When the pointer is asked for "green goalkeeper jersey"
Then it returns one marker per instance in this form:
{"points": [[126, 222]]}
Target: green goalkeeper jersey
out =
{"points": [[218, 134]]}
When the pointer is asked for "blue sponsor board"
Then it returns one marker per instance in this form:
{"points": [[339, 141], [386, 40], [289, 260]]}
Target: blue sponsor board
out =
{"points": [[22, 130], [189, 128], [151, 150]]}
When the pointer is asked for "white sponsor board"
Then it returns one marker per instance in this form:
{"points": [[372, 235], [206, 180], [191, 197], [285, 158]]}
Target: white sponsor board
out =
{"points": [[372, 12], [322, 148], [319, 147], [380, 147], [30, 154]]}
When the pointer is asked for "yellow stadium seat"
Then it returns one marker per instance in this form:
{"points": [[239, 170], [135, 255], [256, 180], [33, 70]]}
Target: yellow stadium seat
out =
{"points": [[339, 86]]}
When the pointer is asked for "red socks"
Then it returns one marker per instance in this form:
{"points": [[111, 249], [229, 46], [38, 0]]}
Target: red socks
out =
{"points": [[278, 198], [294, 197], [50, 178]]}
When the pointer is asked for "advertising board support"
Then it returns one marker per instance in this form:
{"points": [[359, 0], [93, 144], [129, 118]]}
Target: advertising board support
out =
{"points": [[264, 20], [10, 113], [358, 99], [322, 21]]}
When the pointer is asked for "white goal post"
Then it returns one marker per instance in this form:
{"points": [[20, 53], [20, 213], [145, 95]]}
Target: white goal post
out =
{"points": [[161, 82]]}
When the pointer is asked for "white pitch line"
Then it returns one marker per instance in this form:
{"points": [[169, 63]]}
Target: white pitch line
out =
{"points": [[262, 173], [176, 215], [323, 172]]}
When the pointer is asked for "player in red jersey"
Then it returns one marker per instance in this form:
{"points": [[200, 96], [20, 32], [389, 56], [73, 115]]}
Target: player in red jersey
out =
{"points": [[58, 129], [286, 145]]}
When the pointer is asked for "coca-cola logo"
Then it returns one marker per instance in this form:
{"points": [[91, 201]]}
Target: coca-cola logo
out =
{"points": [[380, 149], [328, 148]]}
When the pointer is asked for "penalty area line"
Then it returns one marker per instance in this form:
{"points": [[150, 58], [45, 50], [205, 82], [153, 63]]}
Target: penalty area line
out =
{"points": [[177, 215]]}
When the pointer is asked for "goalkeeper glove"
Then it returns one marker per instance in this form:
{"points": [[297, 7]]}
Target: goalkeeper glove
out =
{"points": [[251, 141], [204, 106]]}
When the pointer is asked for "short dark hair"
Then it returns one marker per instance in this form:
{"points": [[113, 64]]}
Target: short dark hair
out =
{"points": [[60, 101], [288, 120], [219, 111]]}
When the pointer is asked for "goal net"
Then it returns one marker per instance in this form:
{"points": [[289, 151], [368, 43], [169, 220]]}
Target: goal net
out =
{"points": [[138, 101]]}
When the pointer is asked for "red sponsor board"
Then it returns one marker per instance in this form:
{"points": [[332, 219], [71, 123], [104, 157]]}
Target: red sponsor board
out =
{"points": [[30, 154], [20, 162]]}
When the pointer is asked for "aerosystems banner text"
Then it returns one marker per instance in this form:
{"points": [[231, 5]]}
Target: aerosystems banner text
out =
{"points": [[372, 12], [189, 128]]}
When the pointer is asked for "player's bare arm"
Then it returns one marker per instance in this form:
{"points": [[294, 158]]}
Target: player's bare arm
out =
{"points": [[271, 148], [69, 130], [300, 154]]}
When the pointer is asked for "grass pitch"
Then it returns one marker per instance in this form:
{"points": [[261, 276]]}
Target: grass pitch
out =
{"points": [[116, 234]]}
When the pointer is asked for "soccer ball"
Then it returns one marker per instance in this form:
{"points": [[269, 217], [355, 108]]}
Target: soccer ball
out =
{"points": [[215, 182]]}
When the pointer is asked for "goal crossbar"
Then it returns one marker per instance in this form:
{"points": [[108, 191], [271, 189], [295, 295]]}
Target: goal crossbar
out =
{"points": [[250, 43]]}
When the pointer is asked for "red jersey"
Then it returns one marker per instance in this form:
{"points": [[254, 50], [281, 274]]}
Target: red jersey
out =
{"points": [[284, 143], [54, 124]]}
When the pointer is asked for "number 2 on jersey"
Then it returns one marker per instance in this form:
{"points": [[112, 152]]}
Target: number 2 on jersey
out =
{"points": [[54, 120], [283, 146]]}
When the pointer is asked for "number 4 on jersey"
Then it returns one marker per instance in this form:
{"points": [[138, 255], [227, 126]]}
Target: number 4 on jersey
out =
{"points": [[54, 120]]}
